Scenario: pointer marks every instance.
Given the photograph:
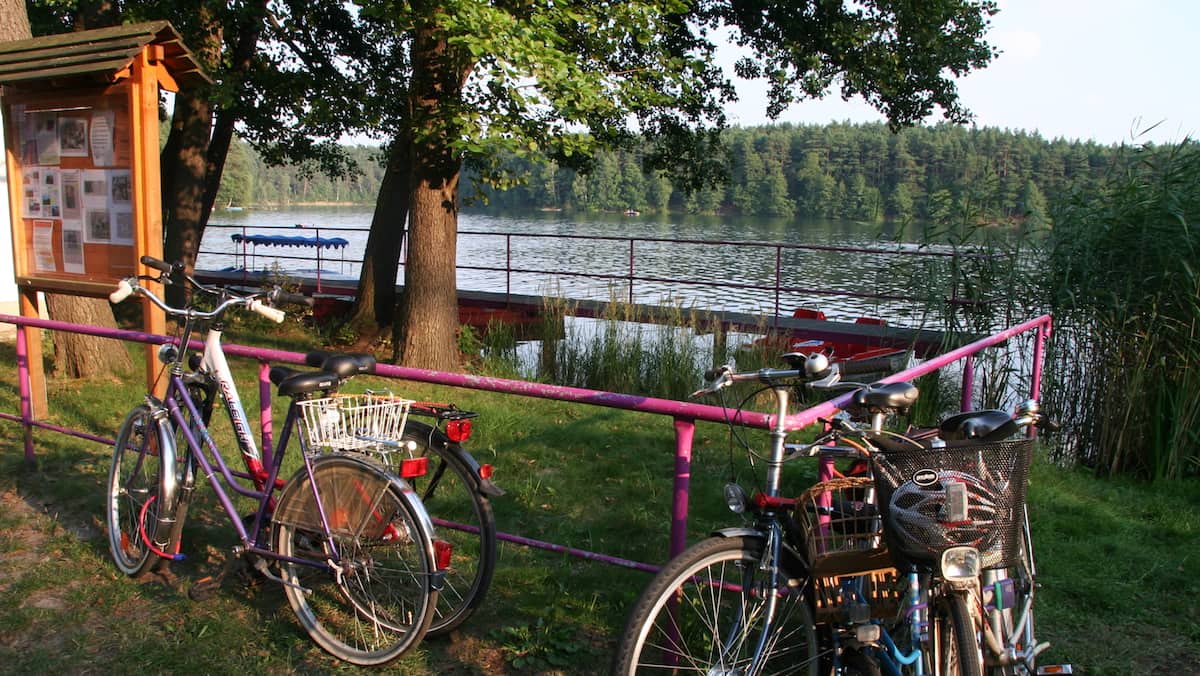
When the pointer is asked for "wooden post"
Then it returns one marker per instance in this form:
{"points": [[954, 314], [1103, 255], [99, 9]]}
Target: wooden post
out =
{"points": [[147, 217]]}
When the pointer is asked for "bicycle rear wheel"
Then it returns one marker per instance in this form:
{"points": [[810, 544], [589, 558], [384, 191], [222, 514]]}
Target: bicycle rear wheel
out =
{"points": [[134, 496], [705, 612], [368, 593], [449, 491]]}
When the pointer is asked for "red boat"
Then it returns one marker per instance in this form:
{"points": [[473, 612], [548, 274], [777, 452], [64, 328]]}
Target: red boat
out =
{"points": [[854, 357]]}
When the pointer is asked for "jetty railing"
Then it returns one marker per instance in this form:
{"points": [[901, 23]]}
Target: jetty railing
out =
{"points": [[632, 275], [683, 415]]}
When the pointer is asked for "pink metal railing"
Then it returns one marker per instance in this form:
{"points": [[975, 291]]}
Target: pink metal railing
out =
{"points": [[684, 415], [631, 277]]}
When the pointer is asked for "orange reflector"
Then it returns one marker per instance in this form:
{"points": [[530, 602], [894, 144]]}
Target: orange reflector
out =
{"points": [[441, 552], [414, 467], [458, 431], [485, 471]]}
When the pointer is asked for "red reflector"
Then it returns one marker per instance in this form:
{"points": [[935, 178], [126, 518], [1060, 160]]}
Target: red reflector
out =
{"points": [[441, 552], [414, 467], [485, 471], [458, 431]]}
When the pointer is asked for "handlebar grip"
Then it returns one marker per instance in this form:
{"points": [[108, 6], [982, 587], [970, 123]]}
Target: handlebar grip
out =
{"points": [[294, 299], [124, 290], [267, 311], [152, 262]]}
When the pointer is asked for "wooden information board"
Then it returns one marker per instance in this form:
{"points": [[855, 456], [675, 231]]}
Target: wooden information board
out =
{"points": [[81, 129], [74, 207]]}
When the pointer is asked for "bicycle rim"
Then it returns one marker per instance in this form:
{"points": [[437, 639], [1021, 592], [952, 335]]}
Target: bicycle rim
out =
{"points": [[133, 492], [373, 600], [464, 519], [705, 612]]}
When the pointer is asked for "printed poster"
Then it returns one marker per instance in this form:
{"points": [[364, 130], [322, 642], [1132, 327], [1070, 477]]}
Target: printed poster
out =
{"points": [[72, 246], [46, 135], [73, 136], [120, 185], [101, 137], [43, 246]]}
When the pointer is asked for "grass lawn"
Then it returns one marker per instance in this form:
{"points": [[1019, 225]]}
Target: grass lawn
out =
{"points": [[1116, 559]]}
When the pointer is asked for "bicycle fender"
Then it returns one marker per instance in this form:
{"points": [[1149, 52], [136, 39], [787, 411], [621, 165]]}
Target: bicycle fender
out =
{"points": [[739, 533], [482, 486], [298, 503]]}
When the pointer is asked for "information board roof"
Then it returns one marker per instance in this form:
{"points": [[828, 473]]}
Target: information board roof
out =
{"points": [[102, 54]]}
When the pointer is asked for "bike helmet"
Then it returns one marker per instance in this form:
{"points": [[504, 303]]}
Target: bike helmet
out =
{"points": [[938, 509]]}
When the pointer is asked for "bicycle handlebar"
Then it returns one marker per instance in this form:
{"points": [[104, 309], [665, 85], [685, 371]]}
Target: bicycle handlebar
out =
{"points": [[253, 302]]}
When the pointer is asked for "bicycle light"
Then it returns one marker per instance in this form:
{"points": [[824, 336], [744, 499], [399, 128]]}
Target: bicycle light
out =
{"points": [[960, 566], [735, 498], [458, 431]]}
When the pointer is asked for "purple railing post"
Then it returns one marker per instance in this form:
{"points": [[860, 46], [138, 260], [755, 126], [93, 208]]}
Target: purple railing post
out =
{"points": [[318, 259], [26, 392], [631, 271], [968, 382], [1039, 347], [685, 429], [507, 267], [264, 411], [778, 279]]}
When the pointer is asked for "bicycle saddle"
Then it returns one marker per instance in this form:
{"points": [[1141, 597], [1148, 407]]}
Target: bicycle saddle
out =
{"points": [[292, 382], [342, 364], [888, 395], [990, 425]]}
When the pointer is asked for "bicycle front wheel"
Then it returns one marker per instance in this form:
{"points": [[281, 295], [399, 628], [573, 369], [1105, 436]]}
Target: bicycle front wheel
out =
{"points": [[464, 518], [133, 496], [367, 589], [714, 610], [958, 642]]}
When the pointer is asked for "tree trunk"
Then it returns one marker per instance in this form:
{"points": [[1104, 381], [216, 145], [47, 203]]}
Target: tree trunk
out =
{"points": [[375, 302], [185, 161], [428, 327], [185, 168], [80, 356], [427, 330]]}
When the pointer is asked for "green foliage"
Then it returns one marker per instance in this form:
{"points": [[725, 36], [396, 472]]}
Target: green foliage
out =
{"points": [[1126, 299], [941, 175], [541, 646]]}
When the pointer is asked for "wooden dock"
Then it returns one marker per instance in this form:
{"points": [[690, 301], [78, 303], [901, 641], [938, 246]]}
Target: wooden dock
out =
{"points": [[480, 307]]}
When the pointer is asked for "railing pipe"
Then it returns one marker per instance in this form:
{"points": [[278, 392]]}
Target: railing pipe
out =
{"points": [[683, 414], [25, 392], [968, 383]]}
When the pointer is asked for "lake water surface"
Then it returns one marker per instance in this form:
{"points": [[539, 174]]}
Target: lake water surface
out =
{"points": [[835, 282]]}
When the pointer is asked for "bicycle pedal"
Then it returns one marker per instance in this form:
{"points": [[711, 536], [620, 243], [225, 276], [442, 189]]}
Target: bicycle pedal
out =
{"points": [[1054, 669]]}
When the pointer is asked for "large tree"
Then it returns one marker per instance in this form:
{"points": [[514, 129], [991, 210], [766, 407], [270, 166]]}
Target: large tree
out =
{"points": [[486, 77]]}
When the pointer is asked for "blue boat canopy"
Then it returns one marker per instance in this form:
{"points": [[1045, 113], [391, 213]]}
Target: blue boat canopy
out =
{"points": [[285, 240]]}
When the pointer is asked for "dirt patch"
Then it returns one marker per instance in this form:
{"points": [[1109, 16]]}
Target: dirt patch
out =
{"points": [[22, 543]]}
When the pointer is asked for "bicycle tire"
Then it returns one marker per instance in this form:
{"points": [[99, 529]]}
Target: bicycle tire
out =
{"points": [[1004, 622], [958, 650], [374, 600], [464, 518], [134, 491], [689, 618]]}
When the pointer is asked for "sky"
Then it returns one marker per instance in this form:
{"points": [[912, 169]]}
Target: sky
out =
{"points": [[1100, 70]]}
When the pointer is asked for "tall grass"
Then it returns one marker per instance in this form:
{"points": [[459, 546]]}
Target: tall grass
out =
{"points": [[1122, 280]]}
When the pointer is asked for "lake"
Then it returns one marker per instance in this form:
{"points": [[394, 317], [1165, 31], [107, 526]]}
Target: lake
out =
{"points": [[835, 282]]}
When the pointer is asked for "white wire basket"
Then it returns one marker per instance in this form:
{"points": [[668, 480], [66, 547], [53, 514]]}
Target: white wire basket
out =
{"points": [[352, 422]]}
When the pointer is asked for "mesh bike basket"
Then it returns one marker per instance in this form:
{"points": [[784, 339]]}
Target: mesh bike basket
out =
{"points": [[968, 493], [842, 528], [352, 422]]}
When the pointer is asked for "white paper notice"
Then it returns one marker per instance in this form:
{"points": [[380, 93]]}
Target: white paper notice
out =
{"points": [[72, 246], [43, 246], [102, 138]]}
